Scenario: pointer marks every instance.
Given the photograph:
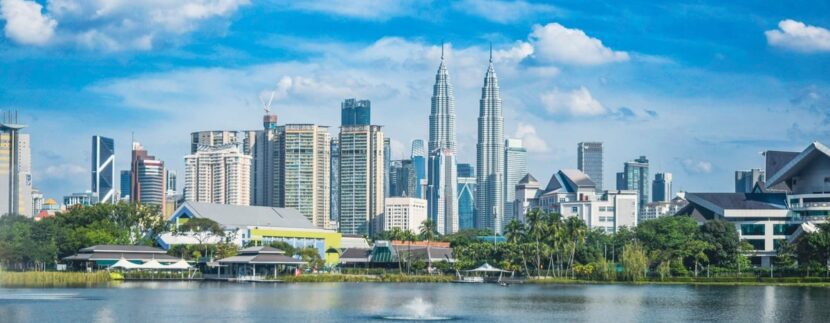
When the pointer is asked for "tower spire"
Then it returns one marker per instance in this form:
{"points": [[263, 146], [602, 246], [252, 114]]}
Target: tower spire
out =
{"points": [[491, 52], [442, 49]]}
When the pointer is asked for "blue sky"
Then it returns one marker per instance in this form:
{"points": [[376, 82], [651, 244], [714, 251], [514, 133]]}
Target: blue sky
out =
{"points": [[699, 87]]}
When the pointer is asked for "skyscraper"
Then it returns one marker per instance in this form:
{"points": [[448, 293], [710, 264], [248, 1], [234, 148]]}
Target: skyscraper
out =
{"points": [[466, 196], [745, 180], [148, 183], [125, 184], [661, 187], [635, 177], [387, 163], [334, 179], [355, 112], [442, 113], [489, 155], [589, 161], [218, 174], [172, 181], [264, 186], [15, 168], [304, 170], [103, 172], [361, 179], [407, 181], [419, 163], [515, 168], [442, 191]]}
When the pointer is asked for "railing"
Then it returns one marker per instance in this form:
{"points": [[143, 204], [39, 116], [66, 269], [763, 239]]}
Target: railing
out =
{"points": [[810, 205]]}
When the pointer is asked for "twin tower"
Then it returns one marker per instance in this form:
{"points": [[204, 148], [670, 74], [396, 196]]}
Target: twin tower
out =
{"points": [[441, 177]]}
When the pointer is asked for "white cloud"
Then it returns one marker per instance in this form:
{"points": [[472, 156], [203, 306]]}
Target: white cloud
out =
{"points": [[576, 103], [25, 24], [692, 166], [113, 25], [556, 43], [365, 9], [503, 11], [800, 37], [520, 51], [530, 139], [64, 171]]}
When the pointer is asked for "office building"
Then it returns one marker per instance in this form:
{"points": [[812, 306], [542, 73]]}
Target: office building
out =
{"points": [[442, 191], [355, 112], [526, 197], [334, 179], [218, 174], [442, 111], [304, 171], [405, 213], [15, 168], [589, 161], [745, 180], [571, 193], [37, 201], [361, 179], [103, 170], [635, 177], [661, 190], [406, 183], [85, 199], [387, 164], [489, 155], [419, 162], [515, 168], [466, 196], [124, 184], [147, 183], [655, 210], [171, 182], [244, 139]]}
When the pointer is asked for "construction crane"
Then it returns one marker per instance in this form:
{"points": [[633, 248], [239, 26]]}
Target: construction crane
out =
{"points": [[267, 105]]}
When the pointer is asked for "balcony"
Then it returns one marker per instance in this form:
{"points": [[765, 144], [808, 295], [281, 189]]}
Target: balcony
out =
{"points": [[810, 206]]}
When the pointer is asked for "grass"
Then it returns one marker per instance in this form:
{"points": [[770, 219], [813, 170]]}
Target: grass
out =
{"points": [[51, 278], [339, 278], [719, 281]]}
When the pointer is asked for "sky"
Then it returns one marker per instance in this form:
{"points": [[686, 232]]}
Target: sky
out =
{"points": [[700, 87]]}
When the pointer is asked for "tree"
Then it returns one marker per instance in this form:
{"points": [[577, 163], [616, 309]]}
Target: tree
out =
{"points": [[201, 229], [724, 240], [814, 248], [513, 231], [786, 255], [667, 239], [536, 231], [634, 261], [428, 232]]}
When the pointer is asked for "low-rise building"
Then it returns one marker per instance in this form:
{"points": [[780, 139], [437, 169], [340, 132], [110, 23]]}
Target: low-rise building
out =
{"points": [[262, 225], [571, 193], [655, 210], [795, 196]]}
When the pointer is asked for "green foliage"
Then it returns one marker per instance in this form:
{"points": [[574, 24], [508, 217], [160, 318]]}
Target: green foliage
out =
{"points": [[635, 262], [52, 279], [723, 238]]}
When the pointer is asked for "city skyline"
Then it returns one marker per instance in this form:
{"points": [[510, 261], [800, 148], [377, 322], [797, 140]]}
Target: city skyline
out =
{"points": [[168, 89]]}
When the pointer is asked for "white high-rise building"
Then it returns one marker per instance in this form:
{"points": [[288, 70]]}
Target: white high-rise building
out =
{"points": [[515, 168], [15, 168], [361, 179], [218, 174], [442, 191], [442, 113], [304, 170], [406, 213], [489, 155]]}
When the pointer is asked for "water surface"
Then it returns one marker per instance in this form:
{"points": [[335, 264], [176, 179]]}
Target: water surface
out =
{"points": [[356, 302]]}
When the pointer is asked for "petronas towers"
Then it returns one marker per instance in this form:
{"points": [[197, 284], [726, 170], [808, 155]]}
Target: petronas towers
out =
{"points": [[489, 155], [441, 186]]}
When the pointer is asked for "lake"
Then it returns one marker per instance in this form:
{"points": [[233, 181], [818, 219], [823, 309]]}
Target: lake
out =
{"points": [[355, 302]]}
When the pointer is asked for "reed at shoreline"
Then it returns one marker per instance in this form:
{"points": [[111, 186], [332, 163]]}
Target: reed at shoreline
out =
{"points": [[51, 278]]}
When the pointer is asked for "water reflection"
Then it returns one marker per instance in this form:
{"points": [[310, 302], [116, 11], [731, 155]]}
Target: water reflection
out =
{"points": [[194, 301]]}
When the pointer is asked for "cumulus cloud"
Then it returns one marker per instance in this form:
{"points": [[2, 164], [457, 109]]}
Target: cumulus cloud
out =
{"points": [[111, 25], [25, 24], [693, 166], [530, 139], [556, 43], [576, 103], [64, 171], [800, 37], [503, 11]]}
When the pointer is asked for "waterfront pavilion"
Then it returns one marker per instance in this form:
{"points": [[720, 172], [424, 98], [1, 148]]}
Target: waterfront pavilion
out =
{"points": [[257, 261], [103, 256]]}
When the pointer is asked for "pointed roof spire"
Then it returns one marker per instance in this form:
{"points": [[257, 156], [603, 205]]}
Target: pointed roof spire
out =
{"points": [[442, 49], [491, 52]]}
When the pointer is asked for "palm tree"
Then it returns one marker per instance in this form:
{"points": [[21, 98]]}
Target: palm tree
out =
{"points": [[536, 230], [513, 231], [396, 234], [409, 237], [576, 231], [555, 237], [428, 233]]}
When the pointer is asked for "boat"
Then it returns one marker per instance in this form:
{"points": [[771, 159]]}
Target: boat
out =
{"points": [[483, 274]]}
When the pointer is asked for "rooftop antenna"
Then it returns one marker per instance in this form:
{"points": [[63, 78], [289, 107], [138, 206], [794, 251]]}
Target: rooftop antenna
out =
{"points": [[442, 49], [491, 52]]}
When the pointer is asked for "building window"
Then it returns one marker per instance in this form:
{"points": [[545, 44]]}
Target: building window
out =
{"points": [[574, 209], [784, 229], [757, 244], [752, 229]]}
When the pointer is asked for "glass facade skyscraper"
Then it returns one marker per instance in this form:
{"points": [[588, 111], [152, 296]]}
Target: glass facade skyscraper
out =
{"points": [[635, 177], [490, 155], [419, 163], [661, 187], [103, 170], [589, 161], [466, 196], [441, 191], [515, 168], [355, 112]]}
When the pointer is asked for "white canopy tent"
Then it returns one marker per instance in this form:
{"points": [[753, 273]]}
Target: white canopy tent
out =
{"points": [[487, 268], [152, 264], [124, 264], [180, 265]]}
